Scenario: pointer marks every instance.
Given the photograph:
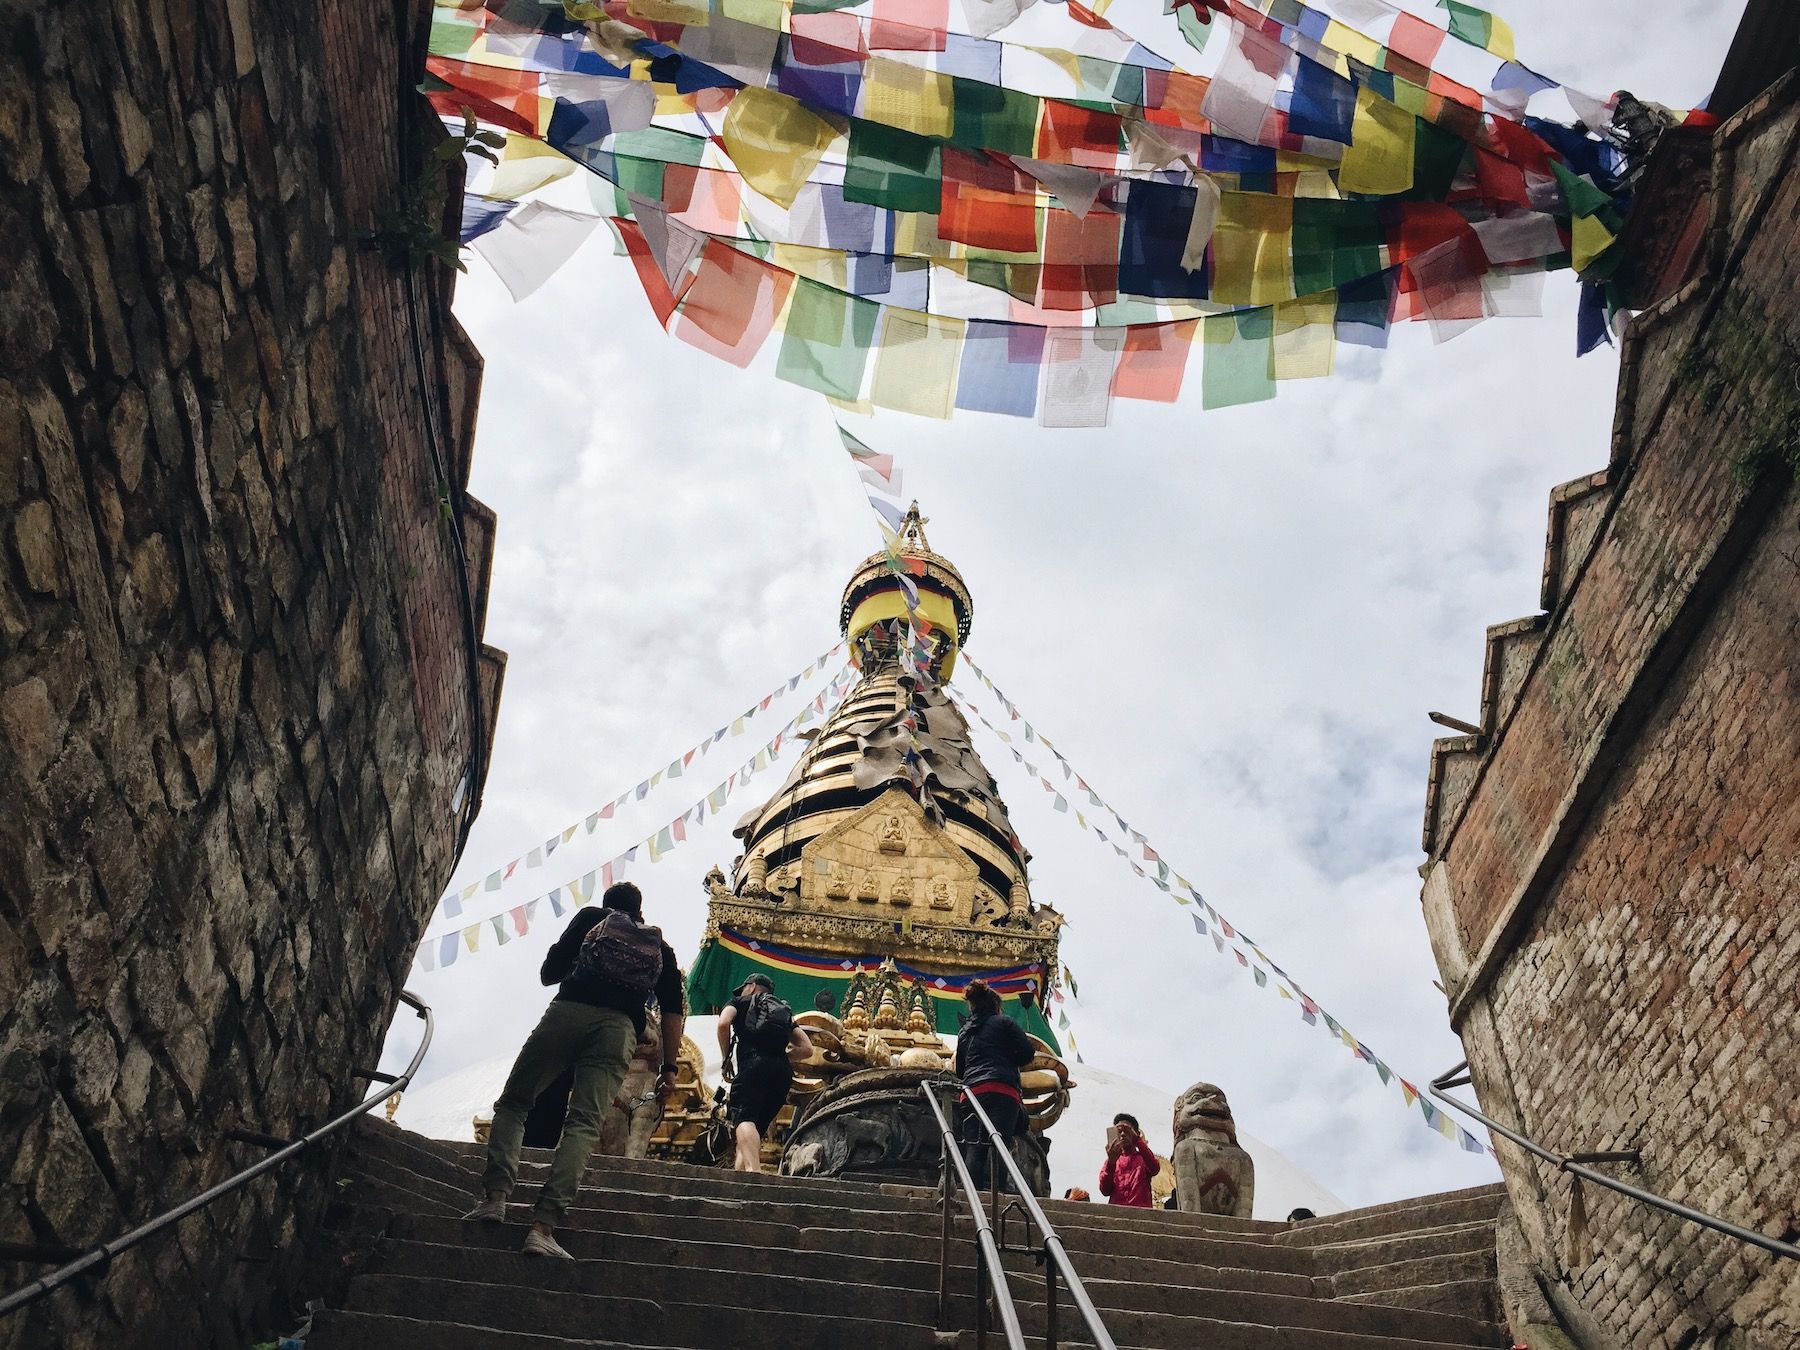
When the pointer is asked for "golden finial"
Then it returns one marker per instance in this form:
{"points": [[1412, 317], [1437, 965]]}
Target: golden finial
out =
{"points": [[912, 529]]}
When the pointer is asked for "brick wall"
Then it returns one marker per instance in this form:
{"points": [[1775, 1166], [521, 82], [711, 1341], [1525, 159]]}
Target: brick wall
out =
{"points": [[235, 675], [1614, 885]]}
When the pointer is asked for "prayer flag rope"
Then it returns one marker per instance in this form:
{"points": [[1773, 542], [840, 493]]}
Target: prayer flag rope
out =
{"points": [[1035, 211], [441, 950], [452, 901], [1208, 922]]}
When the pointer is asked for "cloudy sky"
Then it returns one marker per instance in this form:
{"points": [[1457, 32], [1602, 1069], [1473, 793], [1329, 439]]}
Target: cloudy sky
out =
{"points": [[1233, 623]]}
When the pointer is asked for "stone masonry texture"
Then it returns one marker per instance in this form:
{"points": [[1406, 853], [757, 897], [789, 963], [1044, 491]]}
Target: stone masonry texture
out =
{"points": [[1613, 889], [236, 721]]}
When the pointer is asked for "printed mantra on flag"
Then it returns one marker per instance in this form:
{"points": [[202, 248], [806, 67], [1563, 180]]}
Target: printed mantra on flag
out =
{"points": [[1033, 209]]}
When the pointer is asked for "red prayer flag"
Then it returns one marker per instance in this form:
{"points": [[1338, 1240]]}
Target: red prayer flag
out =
{"points": [[730, 305], [1154, 360]]}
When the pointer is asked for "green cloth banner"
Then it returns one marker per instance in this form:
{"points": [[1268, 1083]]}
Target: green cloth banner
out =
{"points": [[721, 968]]}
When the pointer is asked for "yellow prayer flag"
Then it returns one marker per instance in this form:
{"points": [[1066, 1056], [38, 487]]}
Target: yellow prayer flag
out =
{"points": [[775, 141], [1591, 239], [1379, 159], [915, 368], [693, 13], [909, 97], [471, 936], [1347, 41], [1253, 248], [527, 164], [1500, 38], [770, 14], [1305, 339]]}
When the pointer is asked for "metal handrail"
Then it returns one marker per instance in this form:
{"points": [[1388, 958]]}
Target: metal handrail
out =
{"points": [[1575, 1165], [1055, 1256], [989, 1249], [104, 1254]]}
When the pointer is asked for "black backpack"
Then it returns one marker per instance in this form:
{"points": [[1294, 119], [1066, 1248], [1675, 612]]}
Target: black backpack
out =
{"points": [[768, 1023], [619, 950]]}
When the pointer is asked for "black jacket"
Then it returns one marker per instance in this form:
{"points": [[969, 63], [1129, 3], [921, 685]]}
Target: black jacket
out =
{"points": [[559, 961], [992, 1048]]}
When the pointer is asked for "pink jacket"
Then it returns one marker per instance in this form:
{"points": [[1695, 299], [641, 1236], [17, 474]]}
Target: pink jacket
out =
{"points": [[1125, 1180]]}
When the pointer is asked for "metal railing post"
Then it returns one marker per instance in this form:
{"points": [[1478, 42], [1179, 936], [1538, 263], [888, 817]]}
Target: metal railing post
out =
{"points": [[1055, 1253], [987, 1251], [943, 1312], [1050, 1337], [1574, 1165]]}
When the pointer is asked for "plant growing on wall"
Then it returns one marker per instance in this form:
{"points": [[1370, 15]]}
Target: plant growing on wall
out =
{"points": [[411, 229]]}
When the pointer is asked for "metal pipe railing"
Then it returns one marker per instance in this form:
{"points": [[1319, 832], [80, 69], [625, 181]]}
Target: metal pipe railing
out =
{"points": [[989, 1249], [102, 1256], [1575, 1165], [1055, 1255]]}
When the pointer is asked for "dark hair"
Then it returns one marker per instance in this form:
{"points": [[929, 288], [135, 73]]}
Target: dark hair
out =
{"points": [[1126, 1118], [1296, 1215], [981, 997], [626, 896]]}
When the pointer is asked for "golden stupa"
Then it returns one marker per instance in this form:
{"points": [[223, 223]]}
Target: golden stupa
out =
{"points": [[884, 874]]}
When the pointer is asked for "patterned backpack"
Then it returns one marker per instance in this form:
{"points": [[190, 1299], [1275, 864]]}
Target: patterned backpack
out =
{"points": [[621, 951]]}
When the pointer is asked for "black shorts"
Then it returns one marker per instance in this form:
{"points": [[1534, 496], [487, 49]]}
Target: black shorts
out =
{"points": [[759, 1091]]}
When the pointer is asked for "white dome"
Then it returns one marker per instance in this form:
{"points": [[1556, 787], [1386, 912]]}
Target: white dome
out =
{"points": [[1078, 1144], [445, 1108]]}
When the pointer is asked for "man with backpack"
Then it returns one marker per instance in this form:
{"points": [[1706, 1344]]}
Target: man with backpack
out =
{"points": [[609, 964], [760, 1029]]}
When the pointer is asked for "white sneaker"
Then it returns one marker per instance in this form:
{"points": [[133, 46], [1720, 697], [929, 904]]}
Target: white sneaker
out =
{"points": [[537, 1244], [488, 1211]]}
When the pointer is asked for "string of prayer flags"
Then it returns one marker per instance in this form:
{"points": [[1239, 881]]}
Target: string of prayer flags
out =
{"points": [[990, 207], [452, 901], [1207, 920], [441, 950]]}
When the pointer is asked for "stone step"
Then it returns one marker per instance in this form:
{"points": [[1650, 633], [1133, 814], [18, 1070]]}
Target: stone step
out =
{"points": [[849, 1267], [1424, 1270], [1163, 1331], [1478, 1204], [531, 1307], [719, 1283], [602, 1190], [1453, 1240], [337, 1329], [1119, 1299], [1478, 1299], [461, 1166]]}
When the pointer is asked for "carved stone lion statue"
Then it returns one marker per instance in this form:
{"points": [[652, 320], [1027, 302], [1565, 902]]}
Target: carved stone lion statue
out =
{"points": [[1212, 1174]]}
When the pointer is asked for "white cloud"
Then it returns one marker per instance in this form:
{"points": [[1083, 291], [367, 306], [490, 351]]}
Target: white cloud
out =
{"points": [[1233, 624]]}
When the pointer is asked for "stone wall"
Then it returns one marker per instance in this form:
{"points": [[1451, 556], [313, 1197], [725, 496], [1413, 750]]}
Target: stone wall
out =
{"points": [[1613, 889], [240, 732]]}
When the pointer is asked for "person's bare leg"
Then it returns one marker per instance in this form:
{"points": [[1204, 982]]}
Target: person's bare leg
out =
{"points": [[749, 1148]]}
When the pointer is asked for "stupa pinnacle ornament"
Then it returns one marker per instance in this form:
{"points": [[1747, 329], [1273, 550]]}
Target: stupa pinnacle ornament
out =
{"points": [[885, 874]]}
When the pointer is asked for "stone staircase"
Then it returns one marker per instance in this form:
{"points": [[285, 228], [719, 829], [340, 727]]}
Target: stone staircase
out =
{"points": [[679, 1258]]}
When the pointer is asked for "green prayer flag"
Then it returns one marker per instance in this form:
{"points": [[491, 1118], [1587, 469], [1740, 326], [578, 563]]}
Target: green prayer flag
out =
{"points": [[1468, 23], [1438, 157], [1584, 198], [1239, 354], [672, 147], [989, 117], [644, 177], [891, 168], [825, 346], [1262, 976], [1196, 32]]}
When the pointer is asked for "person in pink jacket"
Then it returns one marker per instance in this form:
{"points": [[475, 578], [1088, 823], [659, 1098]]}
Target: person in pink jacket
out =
{"points": [[1125, 1178]]}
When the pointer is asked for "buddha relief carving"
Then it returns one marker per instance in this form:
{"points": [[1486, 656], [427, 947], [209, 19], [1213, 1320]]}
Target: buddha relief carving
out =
{"points": [[902, 892], [943, 895], [868, 891], [893, 835], [837, 885]]}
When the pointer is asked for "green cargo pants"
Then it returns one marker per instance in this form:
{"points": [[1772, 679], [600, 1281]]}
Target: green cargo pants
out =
{"points": [[595, 1042]]}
